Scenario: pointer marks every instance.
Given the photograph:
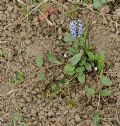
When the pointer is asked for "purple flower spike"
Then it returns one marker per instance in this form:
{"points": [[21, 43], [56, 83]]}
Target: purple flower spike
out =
{"points": [[80, 28], [76, 28], [73, 28]]}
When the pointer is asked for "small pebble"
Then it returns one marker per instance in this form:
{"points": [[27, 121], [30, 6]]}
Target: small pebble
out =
{"points": [[95, 68], [65, 55]]}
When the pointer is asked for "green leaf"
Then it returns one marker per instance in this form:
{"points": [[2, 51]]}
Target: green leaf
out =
{"points": [[69, 69], [67, 82], [55, 88], [82, 61], [103, 1], [92, 64], [105, 92], [41, 76], [81, 78], [53, 59], [24, 124], [106, 81], [90, 91], [68, 37], [100, 57], [17, 117], [19, 78], [62, 59], [98, 3], [39, 61], [88, 67], [64, 82], [96, 119], [76, 58], [82, 40], [76, 44], [73, 51], [80, 70], [101, 66], [91, 56]]}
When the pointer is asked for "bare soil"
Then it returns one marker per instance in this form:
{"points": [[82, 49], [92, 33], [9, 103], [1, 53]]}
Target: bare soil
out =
{"points": [[22, 41]]}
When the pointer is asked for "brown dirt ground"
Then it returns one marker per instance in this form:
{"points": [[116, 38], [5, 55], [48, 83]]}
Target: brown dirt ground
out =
{"points": [[22, 41]]}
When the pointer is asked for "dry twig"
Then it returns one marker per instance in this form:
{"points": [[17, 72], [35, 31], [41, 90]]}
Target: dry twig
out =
{"points": [[2, 42], [32, 11], [48, 21], [22, 2]]}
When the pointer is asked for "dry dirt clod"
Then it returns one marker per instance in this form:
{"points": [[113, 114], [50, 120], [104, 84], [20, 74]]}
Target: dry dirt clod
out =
{"points": [[105, 21], [106, 124], [35, 20], [27, 42], [41, 113], [77, 118], [10, 8], [117, 12], [51, 113], [105, 9], [53, 17]]}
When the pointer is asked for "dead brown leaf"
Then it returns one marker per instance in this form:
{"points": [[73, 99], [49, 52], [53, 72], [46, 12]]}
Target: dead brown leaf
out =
{"points": [[47, 12]]}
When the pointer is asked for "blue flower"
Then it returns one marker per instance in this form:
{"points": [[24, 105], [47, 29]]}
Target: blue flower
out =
{"points": [[76, 28], [80, 28], [73, 28]]}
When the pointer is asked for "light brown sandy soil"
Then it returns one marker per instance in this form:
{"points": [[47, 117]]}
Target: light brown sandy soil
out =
{"points": [[23, 41]]}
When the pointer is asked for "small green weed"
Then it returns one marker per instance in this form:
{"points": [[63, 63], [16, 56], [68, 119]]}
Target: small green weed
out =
{"points": [[96, 119], [19, 78], [84, 60], [71, 103], [26, 10], [53, 59], [17, 121], [39, 63], [98, 3], [55, 88], [5, 53], [90, 91], [30, 6], [41, 77]]}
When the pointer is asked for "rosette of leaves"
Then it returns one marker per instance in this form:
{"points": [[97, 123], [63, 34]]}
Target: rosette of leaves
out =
{"points": [[84, 58]]}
